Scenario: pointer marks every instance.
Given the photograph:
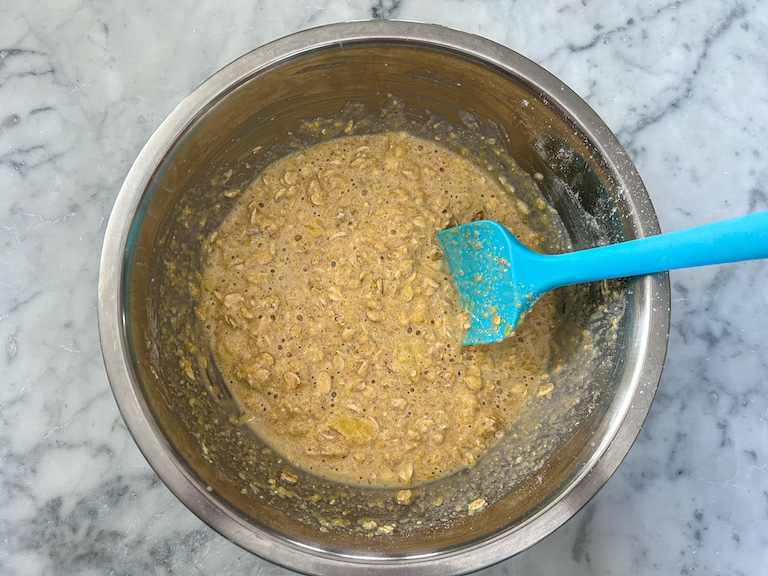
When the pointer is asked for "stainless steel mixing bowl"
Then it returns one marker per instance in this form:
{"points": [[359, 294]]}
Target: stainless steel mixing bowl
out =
{"points": [[552, 461]]}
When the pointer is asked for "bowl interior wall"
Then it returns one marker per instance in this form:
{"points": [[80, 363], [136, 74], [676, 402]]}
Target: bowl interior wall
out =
{"points": [[249, 127]]}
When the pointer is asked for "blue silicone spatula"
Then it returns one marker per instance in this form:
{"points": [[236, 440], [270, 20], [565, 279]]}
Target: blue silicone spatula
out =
{"points": [[500, 280]]}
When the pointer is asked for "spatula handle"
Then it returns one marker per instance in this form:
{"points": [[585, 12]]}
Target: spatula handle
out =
{"points": [[733, 240]]}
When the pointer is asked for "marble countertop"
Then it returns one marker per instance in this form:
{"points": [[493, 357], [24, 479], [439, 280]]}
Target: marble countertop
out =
{"points": [[83, 84]]}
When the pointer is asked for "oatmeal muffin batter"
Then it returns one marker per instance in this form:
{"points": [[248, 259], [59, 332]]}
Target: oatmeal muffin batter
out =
{"points": [[335, 322]]}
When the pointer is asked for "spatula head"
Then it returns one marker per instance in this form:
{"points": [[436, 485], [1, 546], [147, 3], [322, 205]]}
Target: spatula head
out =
{"points": [[480, 256]]}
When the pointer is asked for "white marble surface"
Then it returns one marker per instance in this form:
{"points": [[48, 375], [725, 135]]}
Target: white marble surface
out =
{"points": [[83, 83]]}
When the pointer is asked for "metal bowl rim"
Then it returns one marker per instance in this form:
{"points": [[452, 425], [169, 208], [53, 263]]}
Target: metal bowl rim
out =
{"points": [[136, 412]]}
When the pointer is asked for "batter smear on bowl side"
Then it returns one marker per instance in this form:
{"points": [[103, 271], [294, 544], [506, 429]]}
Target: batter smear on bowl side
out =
{"points": [[337, 326]]}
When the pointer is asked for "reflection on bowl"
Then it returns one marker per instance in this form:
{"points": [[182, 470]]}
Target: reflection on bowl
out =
{"points": [[610, 347]]}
